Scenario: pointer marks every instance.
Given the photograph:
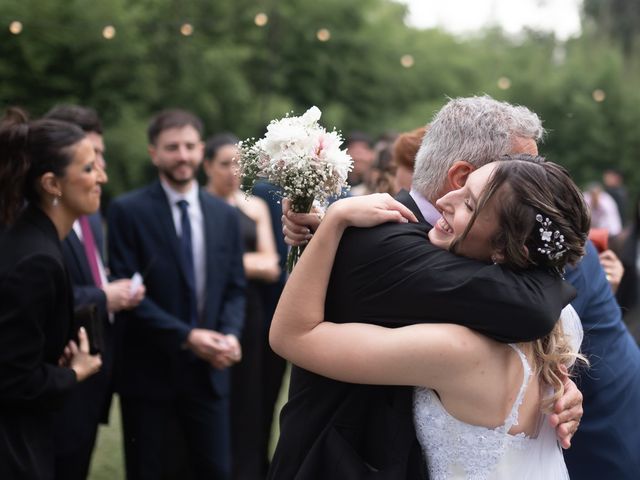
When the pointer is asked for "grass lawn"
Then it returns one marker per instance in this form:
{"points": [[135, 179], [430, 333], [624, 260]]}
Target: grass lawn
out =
{"points": [[108, 458]]}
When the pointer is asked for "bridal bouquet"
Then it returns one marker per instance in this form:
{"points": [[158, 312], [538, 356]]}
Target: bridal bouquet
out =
{"points": [[301, 157]]}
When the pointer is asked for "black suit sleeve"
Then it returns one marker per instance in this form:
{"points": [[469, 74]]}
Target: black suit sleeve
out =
{"points": [[165, 330], [391, 275], [29, 294]]}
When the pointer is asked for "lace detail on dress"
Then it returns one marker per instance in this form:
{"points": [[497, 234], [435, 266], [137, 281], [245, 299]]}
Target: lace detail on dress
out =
{"points": [[512, 419], [455, 449]]}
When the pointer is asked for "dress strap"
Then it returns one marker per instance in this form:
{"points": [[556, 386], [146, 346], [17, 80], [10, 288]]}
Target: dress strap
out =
{"points": [[512, 419]]}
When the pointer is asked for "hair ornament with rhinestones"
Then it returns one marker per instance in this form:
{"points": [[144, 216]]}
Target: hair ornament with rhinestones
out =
{"points": [[554, 245]]}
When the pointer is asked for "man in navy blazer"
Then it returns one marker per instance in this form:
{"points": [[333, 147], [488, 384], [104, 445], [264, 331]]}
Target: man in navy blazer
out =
{"points": [[607, 444], [177, 345], [76, 424]]}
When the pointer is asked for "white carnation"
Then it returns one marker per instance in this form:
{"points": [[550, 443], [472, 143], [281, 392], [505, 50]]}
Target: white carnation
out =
{"points": [[300, 156]]}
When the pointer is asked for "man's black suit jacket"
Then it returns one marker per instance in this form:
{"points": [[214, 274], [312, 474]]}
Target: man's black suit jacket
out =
{"points": [[89, 403], [391, 275], [151, 356]]}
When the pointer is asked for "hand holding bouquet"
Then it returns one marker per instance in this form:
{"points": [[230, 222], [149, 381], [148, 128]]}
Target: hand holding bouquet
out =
{"points": [[302, 158]]}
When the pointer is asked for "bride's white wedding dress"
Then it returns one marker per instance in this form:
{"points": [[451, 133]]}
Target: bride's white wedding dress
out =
{"points": [[457, 450]]}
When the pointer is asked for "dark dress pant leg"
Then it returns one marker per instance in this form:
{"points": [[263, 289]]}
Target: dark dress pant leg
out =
{"points": [[151, 439], [205, 421]]}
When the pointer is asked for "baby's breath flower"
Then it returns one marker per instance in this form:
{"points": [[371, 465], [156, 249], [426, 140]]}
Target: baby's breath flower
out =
{"points": [[301, 157]]}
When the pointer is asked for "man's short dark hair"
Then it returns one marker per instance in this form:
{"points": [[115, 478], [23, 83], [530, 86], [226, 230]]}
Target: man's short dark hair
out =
{"points": [[85, 117], [174, 118]]}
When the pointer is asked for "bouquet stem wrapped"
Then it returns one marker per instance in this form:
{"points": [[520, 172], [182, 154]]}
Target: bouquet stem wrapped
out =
{"points": [[302, 158], [298, 205]]}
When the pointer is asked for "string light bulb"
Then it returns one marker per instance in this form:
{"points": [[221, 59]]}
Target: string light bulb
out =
{"points": [[599, 95], [407, 61], [324, 35], [15, 27], [109, 32], [261, 19], [186, 29], [504, 83]]}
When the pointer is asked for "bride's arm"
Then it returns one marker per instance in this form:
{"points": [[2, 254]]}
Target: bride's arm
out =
{"points": [[360, 353]]}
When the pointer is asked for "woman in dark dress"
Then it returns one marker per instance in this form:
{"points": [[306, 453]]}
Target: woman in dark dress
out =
{"points": [[628, 294], [47, 179], [261, 264]]}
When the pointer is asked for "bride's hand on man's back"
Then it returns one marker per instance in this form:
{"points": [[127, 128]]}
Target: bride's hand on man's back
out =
{"points": [[370, 210]]}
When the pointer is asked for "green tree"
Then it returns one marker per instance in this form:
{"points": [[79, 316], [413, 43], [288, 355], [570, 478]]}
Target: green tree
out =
{"points": [[620, 19]]}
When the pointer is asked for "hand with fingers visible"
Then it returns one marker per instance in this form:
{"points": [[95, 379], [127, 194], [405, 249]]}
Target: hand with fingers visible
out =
{"points": [[235, 352], [298, 228], [214, 347], [120, 297], [79, 359], [567, 412], [370, 210], [65, 358], [612, 267]]}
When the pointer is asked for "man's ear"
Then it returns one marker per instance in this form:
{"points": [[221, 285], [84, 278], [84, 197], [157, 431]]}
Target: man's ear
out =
{"points": [[151, 148], [458, 174]]}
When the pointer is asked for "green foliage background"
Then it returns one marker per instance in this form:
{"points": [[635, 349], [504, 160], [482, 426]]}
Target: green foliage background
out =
{"points": [[238, 76]]}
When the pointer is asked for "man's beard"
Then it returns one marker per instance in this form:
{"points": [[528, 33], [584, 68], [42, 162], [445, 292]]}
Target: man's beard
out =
{"points": [[168, 174]]}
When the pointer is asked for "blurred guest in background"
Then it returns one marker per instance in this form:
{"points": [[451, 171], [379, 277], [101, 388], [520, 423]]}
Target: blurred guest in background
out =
{"points": [[404, 155], [262, 266], [49, 165], [76, 425], [274, 366], [358, 145], [614, 185], [177, 345], [383, 170], [604, 211], [629, 291]]}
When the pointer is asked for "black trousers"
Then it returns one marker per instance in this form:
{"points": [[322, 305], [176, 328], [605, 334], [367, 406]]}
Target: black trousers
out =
{"points": [[186, 437]]}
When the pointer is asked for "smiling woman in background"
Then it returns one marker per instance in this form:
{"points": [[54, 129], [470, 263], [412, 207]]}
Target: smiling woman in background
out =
{"points": [[48, 178]]}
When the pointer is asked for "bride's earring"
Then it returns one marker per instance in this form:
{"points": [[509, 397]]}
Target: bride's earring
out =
{"points": [[494, 259], [56, 200]]}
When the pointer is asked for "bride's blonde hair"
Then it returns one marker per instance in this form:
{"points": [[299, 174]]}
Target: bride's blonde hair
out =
{"points": [[543, 223], [549, 354]]}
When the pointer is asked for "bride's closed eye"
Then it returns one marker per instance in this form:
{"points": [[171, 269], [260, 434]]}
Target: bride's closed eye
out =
{"points": [[467, 203]]}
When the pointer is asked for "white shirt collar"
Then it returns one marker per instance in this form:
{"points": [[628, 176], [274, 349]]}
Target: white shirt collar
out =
{"points": [[174, 197]]}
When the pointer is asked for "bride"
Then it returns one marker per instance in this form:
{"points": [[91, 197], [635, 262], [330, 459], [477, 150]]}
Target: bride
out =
{"points": [[479, 405]]}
